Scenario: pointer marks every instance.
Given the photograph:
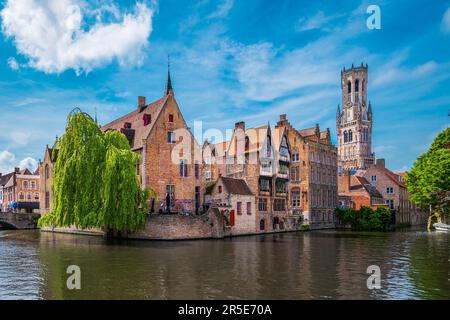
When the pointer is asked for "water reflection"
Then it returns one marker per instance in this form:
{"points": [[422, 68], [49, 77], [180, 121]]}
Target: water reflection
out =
{"points": [[321, 264]]}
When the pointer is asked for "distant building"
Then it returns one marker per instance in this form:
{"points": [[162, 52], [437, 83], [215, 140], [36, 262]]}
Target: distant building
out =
{"points": [[46, 170], [354, 122], [20, 191], [236, 202], [360, 191], [313, 174], [395, 193]]}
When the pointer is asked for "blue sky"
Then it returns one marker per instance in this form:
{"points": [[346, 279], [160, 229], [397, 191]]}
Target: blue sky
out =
{"points": [[231, 60]]}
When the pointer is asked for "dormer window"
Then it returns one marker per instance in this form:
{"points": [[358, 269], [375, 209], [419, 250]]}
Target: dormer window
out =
{"points": [[127, 125], [147, 119], [171, 118]]}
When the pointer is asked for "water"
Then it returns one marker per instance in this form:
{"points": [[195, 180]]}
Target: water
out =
{"points": [[320, 264]]}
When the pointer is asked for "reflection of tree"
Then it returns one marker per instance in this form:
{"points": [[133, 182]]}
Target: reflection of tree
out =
{"points": [[430, 266]]}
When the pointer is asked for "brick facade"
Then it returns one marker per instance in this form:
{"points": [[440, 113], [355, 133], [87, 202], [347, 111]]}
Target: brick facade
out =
{"points": [[21, 187]]}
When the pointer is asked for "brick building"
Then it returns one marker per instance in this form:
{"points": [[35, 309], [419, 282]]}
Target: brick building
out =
{"points": [[236, 202], [261, 156], [313, 178], [360, 191], [20, 191], [46, 169], [354, 123], [171, 159], [395, 193]]}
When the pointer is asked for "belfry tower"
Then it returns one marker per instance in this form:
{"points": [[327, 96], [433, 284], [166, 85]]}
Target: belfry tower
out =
{"points": [[354, 123]]}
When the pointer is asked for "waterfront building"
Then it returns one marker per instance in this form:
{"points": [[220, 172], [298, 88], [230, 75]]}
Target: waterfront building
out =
{"points": [[236, 202], [361, 192], [261, 156], [20, 191], [213, 160], [313, 179], [354, 122], [46, 170], [395, 193], [171, 158]]}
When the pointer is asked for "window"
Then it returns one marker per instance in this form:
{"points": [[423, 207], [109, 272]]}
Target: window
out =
{"points": [[356, 85], [196, 170], [127, 125], [269, 146], [295, 157], [283, 169], [239, 208], [29, 196], [390, 203], [219, 189], [171, 118], [264, 184], [147, 119], [349, 87], [295, 173], [262, 204], [47, 200], [183, 168], [33, 185], [249, 208], [295, 195], [389, 190], [25, 185], [279, 204], [137, 167], [262, 225], [21, 196], [36, 196], [47, 173], [345, 136], [281, 186], [350, 136], [170, 137], [373, 178]]}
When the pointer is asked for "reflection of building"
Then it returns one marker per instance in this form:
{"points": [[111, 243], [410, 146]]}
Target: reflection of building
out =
{"points": [[354, 123], [46, 170], [20, 191], [171, 161], [361, 192], [393, 188], [313, 179], [237, 203]]}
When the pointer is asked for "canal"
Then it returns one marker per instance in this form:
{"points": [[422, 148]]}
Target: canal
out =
{"points": [[319, 264]]}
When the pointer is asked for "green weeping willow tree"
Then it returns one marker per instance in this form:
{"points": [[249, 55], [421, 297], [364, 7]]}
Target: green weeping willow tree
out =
{"points": [[94, 181]]}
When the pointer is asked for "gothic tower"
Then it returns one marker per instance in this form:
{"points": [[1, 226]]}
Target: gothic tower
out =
{"points": [[354, 123]]}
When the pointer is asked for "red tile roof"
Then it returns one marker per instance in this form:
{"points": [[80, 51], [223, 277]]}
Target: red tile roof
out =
{"points": [[138, 131]]}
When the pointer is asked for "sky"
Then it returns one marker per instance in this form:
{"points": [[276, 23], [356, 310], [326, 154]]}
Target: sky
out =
{"points": [[230, 61]]}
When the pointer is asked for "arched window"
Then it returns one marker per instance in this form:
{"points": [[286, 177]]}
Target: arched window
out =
{"points": [[262, 225], [350, 135], [247, 143], [345, 136], [363, 85], [29, 196], [349, 87], [21, 196], [47, 174], [356, 85]]}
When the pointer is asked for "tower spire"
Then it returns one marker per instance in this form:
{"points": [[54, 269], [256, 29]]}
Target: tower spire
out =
{"points": [[169, 87]]}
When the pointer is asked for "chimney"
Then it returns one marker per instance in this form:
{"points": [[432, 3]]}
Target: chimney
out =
{"points": [[283, 117], [381, 163], [239, 125], [17, 170], [346, 181], [141, 103]]}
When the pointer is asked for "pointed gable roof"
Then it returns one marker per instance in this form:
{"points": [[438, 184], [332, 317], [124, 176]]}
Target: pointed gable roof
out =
{"points": [[236, 186], [138, 131]]}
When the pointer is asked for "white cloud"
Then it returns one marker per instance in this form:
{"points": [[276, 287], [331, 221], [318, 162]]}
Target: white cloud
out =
{"points": [[317, 21], [446, 22], [7, 160], [13, 64], [20, 138], [222, 10], [29, 163], [54, 37]]}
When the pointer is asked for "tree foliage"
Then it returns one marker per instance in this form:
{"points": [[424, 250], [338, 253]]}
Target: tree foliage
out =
{"points": [[94, 181], [428, 181], [365, 219]]}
